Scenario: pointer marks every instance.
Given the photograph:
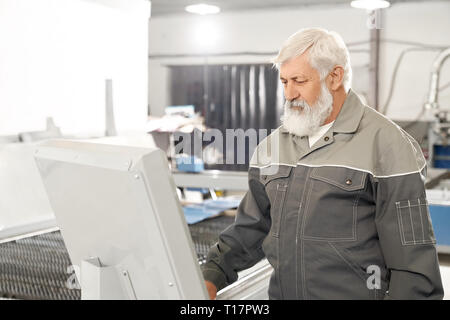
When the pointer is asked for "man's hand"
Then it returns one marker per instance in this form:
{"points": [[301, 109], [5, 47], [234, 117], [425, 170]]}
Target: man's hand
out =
{"points": [[212, 290]]}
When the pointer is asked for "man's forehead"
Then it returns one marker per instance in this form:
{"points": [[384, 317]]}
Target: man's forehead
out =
{"points": [[294, 75], [297, 66]]}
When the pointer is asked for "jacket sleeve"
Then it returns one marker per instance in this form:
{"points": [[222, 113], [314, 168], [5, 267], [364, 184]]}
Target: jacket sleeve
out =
{"points": [[239, 246], [406, 237]]}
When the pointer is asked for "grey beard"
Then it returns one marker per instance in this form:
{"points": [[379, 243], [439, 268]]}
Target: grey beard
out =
{"points": [[307, 121]]}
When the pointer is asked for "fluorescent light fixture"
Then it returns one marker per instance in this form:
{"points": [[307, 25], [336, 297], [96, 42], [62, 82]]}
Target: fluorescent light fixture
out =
{"points": [[370, 4], [202, 9]]}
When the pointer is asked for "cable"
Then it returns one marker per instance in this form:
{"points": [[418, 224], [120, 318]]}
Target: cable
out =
{"points": [[413, 122], [254, 53], [413, 43], [445, 86], [384, 109], [395, 41], [226, 54]]}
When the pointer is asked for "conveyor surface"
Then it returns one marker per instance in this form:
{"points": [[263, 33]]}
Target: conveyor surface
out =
{"points": [[37, 267]]}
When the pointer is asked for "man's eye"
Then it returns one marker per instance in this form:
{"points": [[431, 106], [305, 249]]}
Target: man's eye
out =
{"points": [[300, 81]]}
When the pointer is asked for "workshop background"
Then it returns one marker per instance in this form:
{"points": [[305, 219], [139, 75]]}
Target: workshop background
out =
{"points": [[153, 73]]}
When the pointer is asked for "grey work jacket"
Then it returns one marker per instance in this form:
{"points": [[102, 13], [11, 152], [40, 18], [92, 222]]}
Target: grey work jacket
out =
{"points": [[329, 216]]}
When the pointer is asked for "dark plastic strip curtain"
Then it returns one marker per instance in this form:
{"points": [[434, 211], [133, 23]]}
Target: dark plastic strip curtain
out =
{"points": [[240, 96]]}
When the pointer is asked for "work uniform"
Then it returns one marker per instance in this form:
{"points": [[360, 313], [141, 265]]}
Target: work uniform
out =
{"points": [[332, 217]]}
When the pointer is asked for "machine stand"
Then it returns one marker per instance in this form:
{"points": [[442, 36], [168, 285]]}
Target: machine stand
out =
{"points": [[105, 282]]}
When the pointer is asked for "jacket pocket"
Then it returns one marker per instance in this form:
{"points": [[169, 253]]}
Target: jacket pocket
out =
{"points": [[276, 187], [414, 222], [332, 202], [331, 274], [365, 273]]}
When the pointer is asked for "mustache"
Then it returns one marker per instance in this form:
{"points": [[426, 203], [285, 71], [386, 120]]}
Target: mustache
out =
{"points": [[296, 103]]}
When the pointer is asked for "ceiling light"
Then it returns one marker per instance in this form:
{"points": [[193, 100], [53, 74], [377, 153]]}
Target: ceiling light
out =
{"points": [[202, 9], [370, 4]]}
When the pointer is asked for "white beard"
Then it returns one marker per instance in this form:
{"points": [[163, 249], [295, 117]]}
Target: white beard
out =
{"points": [[307, 121]]}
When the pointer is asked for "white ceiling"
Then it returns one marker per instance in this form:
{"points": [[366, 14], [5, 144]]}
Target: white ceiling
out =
{"points": [[165, 7]]}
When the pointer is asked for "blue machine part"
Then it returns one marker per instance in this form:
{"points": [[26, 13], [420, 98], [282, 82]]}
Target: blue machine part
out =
{"points": [[197, 212], [440, 219], [189, 164], [441, 156], [208, 208], [202, 190]]}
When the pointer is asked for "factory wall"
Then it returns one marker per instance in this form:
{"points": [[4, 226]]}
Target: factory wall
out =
{"points": [[264, 31], [55, 56]]}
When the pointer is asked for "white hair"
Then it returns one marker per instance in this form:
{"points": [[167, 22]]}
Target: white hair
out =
{"points": [[326, 50]]}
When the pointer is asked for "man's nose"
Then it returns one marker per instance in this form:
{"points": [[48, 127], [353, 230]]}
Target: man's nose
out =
{"points": [[290, 93]]}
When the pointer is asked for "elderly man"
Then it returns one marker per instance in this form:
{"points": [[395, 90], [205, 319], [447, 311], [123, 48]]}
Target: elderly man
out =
{"points": [[336, 194]]}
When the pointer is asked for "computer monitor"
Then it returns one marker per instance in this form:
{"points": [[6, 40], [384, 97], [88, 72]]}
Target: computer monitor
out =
{"points": [[117, 205]]}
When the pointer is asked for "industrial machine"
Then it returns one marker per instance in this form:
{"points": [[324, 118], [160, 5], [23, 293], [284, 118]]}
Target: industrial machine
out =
{"points": [[439, 130], [438, 177], [437, 186], [121, 232]]}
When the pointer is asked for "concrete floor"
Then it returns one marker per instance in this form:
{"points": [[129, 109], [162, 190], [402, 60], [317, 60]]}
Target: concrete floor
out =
{"points": [[444, 263]]}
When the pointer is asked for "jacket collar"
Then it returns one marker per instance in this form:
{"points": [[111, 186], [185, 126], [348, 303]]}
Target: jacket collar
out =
{"points": [[349, 116]]}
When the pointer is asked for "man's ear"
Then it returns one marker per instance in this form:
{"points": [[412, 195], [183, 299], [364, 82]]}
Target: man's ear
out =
{"points": [[336, 78]]}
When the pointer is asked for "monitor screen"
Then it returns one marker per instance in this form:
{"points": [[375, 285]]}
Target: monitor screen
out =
{"points": [[118, 205]]}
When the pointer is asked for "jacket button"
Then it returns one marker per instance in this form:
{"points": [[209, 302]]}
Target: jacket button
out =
{"points": [[326, 138], [348, 182]]}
